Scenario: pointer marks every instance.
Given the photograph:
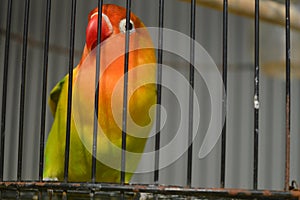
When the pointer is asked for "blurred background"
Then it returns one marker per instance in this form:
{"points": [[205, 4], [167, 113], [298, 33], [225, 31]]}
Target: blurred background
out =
{"points": [[206, 172]]}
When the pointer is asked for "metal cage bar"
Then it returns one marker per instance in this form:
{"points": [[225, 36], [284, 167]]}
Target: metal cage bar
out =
{"points": [[256, 96], [70, 89], [155, 189], [125, 93], [97, 88], [288, 95], [224, 96], [158, 88], [22, 92], [44, 89], [4, 91], [191, 92]]}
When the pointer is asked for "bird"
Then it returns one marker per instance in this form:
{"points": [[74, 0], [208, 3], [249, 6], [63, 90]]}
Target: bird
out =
{"points": [[140, 101]]}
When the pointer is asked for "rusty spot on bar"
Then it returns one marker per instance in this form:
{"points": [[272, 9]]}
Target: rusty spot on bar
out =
{"points": [[295, 193], [267, 193], [137, 188], [235, 192]]}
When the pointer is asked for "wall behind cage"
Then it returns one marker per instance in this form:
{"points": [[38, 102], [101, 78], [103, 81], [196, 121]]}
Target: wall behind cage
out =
{"points": [[206, 172]]}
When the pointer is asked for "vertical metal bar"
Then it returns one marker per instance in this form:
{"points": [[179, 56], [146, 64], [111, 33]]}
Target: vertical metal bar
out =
{"points": [[224, 96], [70, 83], [256, 96], [97, 88], [4, 91], [191, 93], [44, 90], [22, 92], [288, 95], [125, 93], [158, 88]]}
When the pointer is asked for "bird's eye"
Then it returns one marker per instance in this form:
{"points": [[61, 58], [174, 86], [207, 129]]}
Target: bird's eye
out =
{"points": [[123, 28]]}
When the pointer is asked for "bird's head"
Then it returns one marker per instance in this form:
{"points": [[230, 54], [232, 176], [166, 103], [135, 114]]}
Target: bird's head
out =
{"points": [[113, 22]]}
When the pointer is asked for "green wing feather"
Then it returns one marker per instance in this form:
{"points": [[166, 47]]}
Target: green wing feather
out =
{"points": [[55, 94]]}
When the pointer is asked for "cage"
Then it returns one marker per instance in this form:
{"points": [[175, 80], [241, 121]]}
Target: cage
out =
{"points": [[226, 121]]}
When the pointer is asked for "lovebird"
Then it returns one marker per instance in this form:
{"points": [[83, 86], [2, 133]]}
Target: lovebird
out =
{"points": [[141, 98]]}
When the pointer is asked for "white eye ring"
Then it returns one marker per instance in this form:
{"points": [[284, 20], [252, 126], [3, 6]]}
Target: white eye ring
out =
{"points": [[122, 26], [94, 14]]}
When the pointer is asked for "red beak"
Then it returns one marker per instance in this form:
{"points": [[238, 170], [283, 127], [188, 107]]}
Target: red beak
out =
{"points": [[92, 30]]}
